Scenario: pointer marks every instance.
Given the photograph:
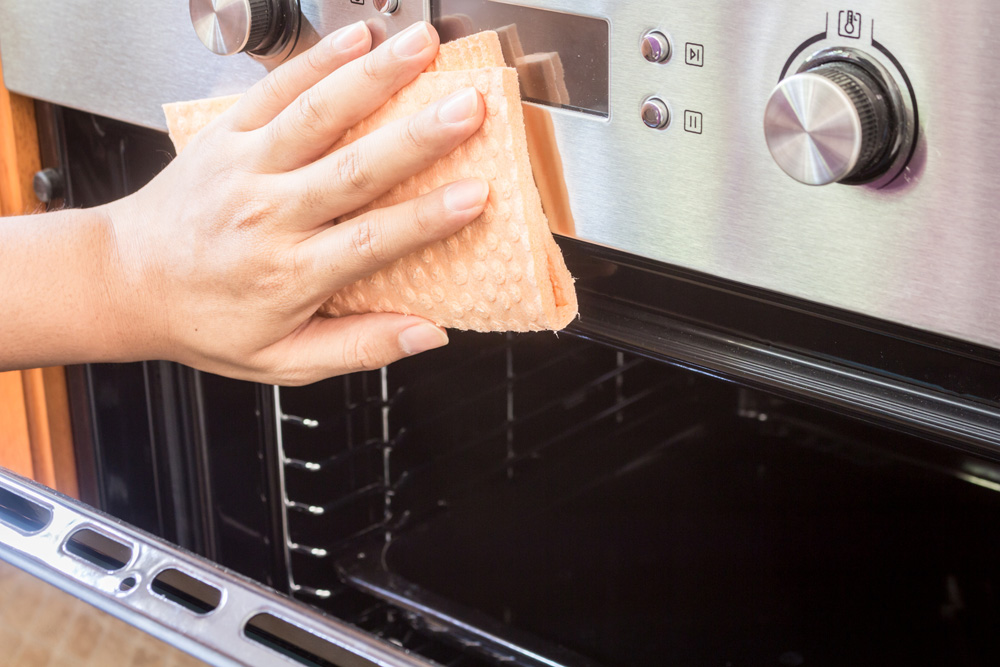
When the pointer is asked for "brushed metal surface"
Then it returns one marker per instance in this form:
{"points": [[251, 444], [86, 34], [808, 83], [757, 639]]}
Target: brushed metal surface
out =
{"points": [[920, 251], [130, 58]]}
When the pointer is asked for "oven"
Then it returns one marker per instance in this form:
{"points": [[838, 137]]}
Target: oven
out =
{"points": [[771, 437]]}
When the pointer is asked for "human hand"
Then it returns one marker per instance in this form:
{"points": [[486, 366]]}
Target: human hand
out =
{"points": [[226, 256]]}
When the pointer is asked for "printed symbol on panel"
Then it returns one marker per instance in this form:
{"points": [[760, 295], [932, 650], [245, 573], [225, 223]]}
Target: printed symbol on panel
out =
{"points": [[694, 54], [849, 24], [692, 122]]}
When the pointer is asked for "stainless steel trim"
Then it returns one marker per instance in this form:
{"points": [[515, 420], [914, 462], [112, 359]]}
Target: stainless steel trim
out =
{"points": [[920, 251], [217, 637]]}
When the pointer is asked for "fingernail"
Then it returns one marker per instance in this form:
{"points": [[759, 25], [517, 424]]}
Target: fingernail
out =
{"points": [[421, 338], [466, 194], [349, 36], [412, 41], [460, 106]]}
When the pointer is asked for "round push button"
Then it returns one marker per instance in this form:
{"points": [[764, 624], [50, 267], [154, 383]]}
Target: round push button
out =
{"points": [[655, 113], [386, 6], [655, 47]]}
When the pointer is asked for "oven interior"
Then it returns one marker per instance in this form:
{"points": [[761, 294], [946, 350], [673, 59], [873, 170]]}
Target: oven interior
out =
{"points": [[570, 501], [549, 500]]}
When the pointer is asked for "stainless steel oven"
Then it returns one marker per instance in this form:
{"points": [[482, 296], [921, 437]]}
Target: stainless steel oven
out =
{"points": [[772, 437]]}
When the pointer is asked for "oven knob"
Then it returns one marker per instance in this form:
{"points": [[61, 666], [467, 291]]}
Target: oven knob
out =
{"points": [[830, 124], [228, 27]]}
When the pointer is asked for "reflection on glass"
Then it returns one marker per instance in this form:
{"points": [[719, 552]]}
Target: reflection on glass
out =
{"points": [[562, 59]]}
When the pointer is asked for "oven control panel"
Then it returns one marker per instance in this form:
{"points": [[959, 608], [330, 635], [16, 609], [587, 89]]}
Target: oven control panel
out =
{"points": [[693, 132]]}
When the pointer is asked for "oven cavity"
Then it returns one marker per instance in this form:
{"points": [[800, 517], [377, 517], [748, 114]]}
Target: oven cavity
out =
{"points": [[535, 500]]}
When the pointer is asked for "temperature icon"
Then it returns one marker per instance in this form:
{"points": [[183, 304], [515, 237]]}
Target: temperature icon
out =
{"points": [[849, 24]]}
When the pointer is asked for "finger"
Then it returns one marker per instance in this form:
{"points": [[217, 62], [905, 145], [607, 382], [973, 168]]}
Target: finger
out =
{"points": [[325, 347], [356, 174], [272, 94], [357, 248], [320, 115]]}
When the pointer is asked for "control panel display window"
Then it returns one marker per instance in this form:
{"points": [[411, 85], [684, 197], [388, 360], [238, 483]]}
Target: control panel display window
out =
{"points": [[561, 59]]}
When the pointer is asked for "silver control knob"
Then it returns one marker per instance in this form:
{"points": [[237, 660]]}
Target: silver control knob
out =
{"points": [[228, 27], [829, 124]]}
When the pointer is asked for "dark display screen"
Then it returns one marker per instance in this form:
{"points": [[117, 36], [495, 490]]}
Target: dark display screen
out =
{"points": [[562, 59]]}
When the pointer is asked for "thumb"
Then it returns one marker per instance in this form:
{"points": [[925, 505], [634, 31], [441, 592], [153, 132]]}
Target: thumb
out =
{"points": [[325, 347]]}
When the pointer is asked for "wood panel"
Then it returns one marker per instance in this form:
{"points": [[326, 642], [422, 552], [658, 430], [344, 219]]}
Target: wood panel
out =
{"points": [[15, 440], [19, 157], [46, 405], [35, 433]]}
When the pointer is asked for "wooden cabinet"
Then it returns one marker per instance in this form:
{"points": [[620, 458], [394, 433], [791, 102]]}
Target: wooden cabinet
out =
{"points": [[35, 436]]}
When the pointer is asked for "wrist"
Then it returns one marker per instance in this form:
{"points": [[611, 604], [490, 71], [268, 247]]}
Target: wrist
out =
{"points": [[129, 288]]}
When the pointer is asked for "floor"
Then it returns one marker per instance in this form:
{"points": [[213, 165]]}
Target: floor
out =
{"points": [[41, 626]]}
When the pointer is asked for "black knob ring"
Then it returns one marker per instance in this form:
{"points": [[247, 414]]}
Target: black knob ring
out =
{"points": [[282, 32]]}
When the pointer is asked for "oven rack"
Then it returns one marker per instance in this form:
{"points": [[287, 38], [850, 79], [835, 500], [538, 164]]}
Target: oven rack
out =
{"points": [[213, 614], [532, 380]]}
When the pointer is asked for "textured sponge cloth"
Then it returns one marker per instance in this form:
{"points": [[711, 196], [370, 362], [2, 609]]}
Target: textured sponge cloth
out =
{"points": [[503, 271], [186, 119]]}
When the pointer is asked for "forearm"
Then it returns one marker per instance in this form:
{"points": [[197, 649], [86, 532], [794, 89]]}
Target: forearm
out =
{"points": [[63, 293]]}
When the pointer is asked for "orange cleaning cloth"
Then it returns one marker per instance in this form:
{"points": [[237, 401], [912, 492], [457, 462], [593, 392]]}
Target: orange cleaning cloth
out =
{"points": [[503, 271]]}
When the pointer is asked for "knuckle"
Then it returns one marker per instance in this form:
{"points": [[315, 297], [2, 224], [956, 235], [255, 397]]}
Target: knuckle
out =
{"points": [[269, 284], [311, 112], [271, 278], [316, 60], [414, 134], [300, 270], [367, 241], [364, 354], [255, 212], [426, 218], [284, 373], [314, 196], [352, 170], [271, 88], [371, 69]]}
